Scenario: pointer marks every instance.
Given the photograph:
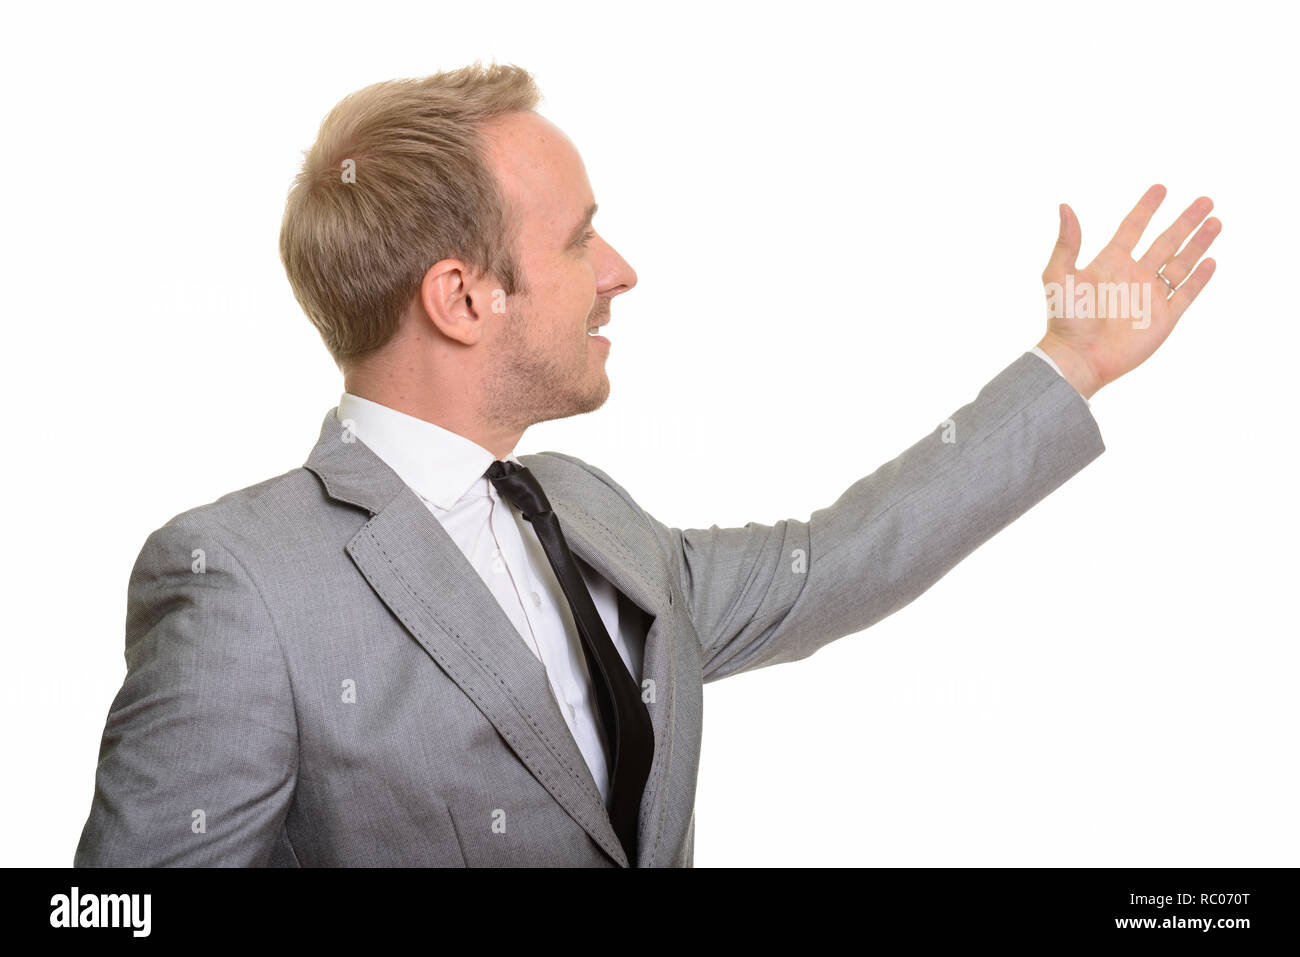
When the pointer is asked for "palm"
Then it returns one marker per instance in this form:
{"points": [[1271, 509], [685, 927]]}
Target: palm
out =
{"points": [[1116, 343]]}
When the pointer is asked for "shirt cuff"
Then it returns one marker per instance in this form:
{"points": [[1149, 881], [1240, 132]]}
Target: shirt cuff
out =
{"points": [[1048, 359]]}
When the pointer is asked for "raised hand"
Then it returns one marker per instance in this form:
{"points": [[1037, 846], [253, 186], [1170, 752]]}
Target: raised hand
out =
{"points": [[1095, 349]]}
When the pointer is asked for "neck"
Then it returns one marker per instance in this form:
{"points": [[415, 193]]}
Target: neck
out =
{"points": [[448, 408]]}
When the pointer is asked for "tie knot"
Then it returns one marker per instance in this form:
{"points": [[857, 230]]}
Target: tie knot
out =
{"points": [[519, 487]]}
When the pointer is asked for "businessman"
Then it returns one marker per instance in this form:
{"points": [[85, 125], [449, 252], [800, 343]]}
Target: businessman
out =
{"points": [[419, 649]]}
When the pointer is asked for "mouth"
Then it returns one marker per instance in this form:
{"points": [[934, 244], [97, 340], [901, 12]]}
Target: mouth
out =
{"points": [[593, 329]]}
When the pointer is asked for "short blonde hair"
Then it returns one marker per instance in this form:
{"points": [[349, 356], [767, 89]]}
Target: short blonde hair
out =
{"points": [[356, 247]]}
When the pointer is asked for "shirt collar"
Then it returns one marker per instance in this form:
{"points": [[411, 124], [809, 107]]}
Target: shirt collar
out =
{"points": [[439, 465]]}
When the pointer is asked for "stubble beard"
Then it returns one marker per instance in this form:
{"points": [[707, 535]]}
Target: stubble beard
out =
{"points": [[536, 382]]}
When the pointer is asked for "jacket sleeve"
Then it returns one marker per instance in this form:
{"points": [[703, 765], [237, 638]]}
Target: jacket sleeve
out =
{"points": [[765, 594], [198, 759]]}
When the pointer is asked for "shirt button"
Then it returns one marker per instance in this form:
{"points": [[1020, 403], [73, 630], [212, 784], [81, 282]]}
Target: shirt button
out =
{"points": [[572, 713], [537, 599]]}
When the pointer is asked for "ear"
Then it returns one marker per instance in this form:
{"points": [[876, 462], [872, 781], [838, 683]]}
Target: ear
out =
{"points": [[456, 300]]}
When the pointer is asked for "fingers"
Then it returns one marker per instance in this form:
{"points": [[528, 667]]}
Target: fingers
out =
{"points": [[1188, 291], [1167, 243], [1177, 269], [1130, 230], [1066, 250]]}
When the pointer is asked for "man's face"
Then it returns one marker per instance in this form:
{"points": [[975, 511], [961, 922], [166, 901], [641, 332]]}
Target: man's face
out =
{"points": [[544, 364]]}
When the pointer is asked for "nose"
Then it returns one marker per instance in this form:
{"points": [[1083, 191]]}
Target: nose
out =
{"points": [[617, 276]]}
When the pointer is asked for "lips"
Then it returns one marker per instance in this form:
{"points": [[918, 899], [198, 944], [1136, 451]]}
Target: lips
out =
{"points": [[595, 328], [602, 317]]}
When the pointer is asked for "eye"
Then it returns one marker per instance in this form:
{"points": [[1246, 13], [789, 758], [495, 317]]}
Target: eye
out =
{"points": [[586, 237]]}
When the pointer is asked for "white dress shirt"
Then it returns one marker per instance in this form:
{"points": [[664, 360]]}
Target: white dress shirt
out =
{"points": [[446, 471]]}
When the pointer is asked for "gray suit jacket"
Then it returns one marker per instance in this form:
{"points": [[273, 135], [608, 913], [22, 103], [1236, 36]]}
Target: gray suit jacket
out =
{"points": [[317, 676]]}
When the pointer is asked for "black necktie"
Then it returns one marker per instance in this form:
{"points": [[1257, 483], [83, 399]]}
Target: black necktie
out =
{"points": [[624, 714]]}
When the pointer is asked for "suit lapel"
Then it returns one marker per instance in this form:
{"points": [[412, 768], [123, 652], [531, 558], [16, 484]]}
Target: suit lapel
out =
{"points": [[423, 577]]}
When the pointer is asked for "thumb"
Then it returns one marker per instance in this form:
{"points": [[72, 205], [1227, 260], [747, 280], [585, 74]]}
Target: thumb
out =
{"points": [[1066, 250]]}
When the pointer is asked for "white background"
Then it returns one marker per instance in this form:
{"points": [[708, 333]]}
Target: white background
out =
{"points": [[838, 215]]}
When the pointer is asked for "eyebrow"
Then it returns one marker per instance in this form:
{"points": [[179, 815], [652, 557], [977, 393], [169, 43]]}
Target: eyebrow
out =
{"points": [[577, 232]]}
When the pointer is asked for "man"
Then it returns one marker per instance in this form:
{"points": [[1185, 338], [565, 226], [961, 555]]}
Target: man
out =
{"points": [[419, 649]]}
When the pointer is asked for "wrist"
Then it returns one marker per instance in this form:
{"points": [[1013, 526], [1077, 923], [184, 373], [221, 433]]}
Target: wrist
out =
{"points": [[1073, 366]]}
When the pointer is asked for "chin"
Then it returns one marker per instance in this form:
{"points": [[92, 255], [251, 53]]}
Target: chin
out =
{"points": [[598, 395]]}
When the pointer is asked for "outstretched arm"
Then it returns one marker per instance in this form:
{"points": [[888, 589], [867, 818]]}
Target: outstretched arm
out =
{"points": [[765, 594]]}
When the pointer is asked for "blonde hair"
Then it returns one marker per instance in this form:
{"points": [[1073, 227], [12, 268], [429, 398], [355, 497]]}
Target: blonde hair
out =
{"points": [[356, 248]]}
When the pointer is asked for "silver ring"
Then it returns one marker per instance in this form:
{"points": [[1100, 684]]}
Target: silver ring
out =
{"points": [[1166, 281]]}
